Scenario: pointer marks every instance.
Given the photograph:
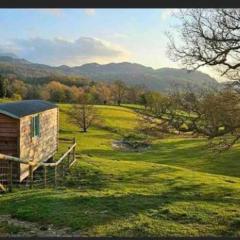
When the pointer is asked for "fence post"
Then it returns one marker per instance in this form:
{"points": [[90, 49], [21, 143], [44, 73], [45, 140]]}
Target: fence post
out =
{"points": [[31, 175], [55, 179], [45, 175], [73, 151], [68, 156], [10, 176], [63, 170]]}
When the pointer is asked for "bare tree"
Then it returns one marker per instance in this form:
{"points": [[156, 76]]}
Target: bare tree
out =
{"points": [[104, 93], [119, 91], [208, 37], [213, 114], [84, 114], [134, 93]]}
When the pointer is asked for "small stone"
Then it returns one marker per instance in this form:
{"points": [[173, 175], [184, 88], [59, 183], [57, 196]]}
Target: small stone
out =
{"points": [[43, 228]]}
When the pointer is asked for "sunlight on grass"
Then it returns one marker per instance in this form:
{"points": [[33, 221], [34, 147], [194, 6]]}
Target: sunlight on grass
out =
{"points": [[177, 187]]}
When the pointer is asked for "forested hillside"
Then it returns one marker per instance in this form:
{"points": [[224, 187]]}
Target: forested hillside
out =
{"points": [[130, 73]]}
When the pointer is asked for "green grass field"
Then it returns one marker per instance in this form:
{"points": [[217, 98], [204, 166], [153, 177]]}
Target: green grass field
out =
{"points": [[175, 188]]}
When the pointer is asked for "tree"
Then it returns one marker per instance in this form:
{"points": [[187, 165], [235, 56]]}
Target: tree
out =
{"points": [[72, 94], [84, 114], [17, 87], [135, 93], [213, 114], [118, 91], [3, 87], [56, 91], [92, 91], [104, 93], [210, 37]]}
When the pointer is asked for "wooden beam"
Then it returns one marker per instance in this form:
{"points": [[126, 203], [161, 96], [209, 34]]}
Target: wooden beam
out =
{"points": [[45, 175], [2, 188], [11, 158], [68, 160], [31, 175], [73, 162], [10, 176], [55, 176], [61, 159]]}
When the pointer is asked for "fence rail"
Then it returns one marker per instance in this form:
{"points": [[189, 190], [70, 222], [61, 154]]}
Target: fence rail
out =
{"points": [[39, 174]]}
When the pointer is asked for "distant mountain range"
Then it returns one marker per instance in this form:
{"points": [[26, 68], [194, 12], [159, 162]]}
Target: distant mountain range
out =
{"points": [[131, 73]]}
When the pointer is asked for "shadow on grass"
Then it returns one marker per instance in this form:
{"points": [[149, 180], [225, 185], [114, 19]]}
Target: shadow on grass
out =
{"points": [[107, 128], [189, 154], [86, 178], [81, 212], [159, 152], [63, 131]]}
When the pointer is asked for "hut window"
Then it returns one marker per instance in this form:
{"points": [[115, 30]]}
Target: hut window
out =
{"points": [[35, 126]]}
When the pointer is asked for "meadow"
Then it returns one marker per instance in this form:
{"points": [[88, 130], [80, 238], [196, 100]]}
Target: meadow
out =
{"points": [[177, 187]]}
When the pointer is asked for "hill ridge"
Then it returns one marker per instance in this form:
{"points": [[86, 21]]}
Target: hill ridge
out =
{"points": [[160, 79]]}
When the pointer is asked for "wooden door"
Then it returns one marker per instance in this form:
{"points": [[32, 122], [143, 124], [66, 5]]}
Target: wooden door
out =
{"points": [[9, 134]]}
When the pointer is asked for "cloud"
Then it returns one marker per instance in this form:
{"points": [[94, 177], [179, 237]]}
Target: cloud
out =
{"points": [[90, 11], [60, 51], [166, 13]]}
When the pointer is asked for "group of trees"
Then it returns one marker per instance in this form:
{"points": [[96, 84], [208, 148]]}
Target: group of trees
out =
{"points": [[213, 114], [56, 91], [211, 38], [82, 93], [12, 88]]}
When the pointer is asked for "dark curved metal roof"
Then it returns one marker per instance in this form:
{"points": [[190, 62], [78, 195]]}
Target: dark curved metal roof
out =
{"points": [[24, 108]]}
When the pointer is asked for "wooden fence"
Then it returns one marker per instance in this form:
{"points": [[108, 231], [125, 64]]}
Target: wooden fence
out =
{"points": [[49, 173]]}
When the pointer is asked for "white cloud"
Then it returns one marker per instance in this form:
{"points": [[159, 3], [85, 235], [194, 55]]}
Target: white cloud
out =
{"points": [[61, 51], [90, 11], [166, 13]]}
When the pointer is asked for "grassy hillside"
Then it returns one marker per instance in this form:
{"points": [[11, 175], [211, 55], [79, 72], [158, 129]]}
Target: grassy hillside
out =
{"points": [[175, 188]]}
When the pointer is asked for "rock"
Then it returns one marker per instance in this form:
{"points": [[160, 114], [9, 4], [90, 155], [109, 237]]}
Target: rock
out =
{"points": [[103, 212], [33, 232], [43, 228]]}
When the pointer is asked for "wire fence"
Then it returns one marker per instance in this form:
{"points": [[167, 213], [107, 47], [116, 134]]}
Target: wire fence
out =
{"points": [[40, 175]]}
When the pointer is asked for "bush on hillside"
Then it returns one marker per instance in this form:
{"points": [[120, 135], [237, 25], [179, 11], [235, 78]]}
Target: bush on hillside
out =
{"points": [[136, 140]]}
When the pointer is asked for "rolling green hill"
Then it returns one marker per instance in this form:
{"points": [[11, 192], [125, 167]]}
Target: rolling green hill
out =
{"points": [[177, 187]]}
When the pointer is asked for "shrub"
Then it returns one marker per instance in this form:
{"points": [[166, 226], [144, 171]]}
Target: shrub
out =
{"points": [[136, 141]]}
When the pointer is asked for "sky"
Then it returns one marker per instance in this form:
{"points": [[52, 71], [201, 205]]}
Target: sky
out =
{"points": [[77, 36]]}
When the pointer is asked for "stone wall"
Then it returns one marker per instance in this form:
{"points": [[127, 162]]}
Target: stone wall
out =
{"points": [[38, 148]]}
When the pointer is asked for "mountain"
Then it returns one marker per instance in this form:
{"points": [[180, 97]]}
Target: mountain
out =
{"points": [[4, 54], [131, 73]]}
